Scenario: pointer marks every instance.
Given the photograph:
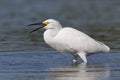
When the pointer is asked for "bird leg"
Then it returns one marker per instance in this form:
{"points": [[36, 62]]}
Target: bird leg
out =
{"points": [[83, 56], [75, 58]]}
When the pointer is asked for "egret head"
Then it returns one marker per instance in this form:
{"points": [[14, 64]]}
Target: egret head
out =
{"points": [[47, 24]]}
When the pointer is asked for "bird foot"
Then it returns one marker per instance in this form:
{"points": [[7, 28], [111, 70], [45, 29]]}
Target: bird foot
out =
{"points": [[75, 62]]}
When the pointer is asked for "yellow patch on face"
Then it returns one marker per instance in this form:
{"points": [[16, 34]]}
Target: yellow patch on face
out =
{"points": [[45, 23]]}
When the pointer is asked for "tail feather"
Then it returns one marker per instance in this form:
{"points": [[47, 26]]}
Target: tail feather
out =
{"points": [[105, 47]]}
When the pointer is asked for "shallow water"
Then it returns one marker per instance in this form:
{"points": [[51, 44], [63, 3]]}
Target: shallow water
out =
{"points": [[25, 56], [55, 66]]}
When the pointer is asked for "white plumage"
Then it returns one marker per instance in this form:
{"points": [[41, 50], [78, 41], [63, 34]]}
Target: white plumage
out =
{"points": [[71, 40]]}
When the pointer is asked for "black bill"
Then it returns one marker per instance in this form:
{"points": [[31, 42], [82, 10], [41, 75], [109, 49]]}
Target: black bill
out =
{"points": [[42, 25]]}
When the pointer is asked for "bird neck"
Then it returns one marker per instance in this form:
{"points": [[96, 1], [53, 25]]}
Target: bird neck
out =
{"points": [[49, 34]]}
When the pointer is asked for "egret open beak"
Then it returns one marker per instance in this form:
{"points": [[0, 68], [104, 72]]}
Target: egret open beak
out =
{"points": [[42, 25]]}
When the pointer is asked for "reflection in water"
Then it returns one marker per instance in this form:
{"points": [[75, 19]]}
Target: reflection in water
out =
{"points": [[81, 72]]}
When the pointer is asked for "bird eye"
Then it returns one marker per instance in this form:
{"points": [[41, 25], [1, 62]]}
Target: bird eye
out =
{"points": [[45, 23]]}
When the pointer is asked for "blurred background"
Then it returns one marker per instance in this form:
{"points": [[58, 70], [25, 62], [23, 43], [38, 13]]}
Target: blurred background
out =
{"points": [[98, 18]]}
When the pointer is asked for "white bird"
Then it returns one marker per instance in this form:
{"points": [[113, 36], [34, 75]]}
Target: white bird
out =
{"points": [[70, 40]]}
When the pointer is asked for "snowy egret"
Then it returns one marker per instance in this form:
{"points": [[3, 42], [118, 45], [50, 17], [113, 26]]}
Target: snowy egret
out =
{"points": [[70, 40]]}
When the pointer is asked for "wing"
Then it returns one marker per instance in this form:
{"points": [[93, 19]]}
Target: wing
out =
{"points": [[78, 41]]}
